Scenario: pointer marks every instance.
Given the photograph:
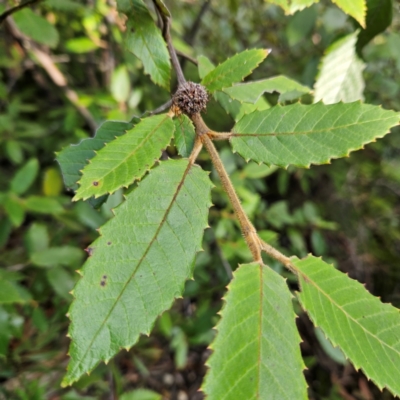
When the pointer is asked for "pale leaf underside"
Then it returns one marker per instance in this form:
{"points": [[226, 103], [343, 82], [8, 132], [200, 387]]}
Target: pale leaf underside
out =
{"points": [[127, 158], [301, 135], [234, 69], [291, 6], [256, 354], [366, 330], [139, 264], [340, 77]]}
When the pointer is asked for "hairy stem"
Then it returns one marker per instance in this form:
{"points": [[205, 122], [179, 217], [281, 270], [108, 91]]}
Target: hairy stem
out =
{"points": [[248, 230]]}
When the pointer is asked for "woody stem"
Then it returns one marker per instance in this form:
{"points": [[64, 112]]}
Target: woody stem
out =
{"points": [[248, 230]]}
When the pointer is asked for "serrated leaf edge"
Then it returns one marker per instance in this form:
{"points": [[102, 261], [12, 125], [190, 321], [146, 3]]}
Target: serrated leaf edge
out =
{"points": [[66, 383]]}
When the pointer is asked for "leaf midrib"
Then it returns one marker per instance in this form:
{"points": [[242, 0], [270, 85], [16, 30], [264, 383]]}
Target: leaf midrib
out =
{"points": [[307, 279], [139, 262], [252, 134], [221, 76], [138, 146]]}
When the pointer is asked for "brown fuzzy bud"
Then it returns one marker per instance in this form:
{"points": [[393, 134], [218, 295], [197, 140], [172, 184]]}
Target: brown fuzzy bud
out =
{"points": [[190, 98]]}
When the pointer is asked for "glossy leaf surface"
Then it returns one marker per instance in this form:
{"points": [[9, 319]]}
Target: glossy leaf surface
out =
{"points": [[139, 264], [366, 330], [256, 342], [127, 158], [301, 135]]}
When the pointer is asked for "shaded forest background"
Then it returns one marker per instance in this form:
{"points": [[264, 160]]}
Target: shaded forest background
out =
{"points": [[64, 70]]}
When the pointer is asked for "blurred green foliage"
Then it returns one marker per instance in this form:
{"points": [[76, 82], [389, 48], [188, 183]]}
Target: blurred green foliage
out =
{"points": [[348, 212]]}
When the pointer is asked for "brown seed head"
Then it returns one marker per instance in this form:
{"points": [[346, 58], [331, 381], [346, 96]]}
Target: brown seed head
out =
{"points": [[190, 98]]}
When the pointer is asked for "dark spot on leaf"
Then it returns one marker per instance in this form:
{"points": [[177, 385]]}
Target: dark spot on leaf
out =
{"points": [[108, 243], [95, 183], [104, 276], [103, 283]]}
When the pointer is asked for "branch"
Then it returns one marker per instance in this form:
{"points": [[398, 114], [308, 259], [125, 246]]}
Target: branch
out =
{"points": [[248, 230], [191, 35], [167, 37], [187, 57], [53, 72], [12, 10]]}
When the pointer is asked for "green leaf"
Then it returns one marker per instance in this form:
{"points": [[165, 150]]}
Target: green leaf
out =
{"points": [[127, 158], [250, 92], [301, 25], [145, 41], [61, 281], [354, 8], [80, 45], [73, 158], [65, 5], [291, 6], [36, 238], [379, 17], [205, 66], [43, 205], [139, 264], [366, 330], [120, 84], [256, 342], [25, 176], [68, 256], [333, 352], [14, 209], [12, 292], [184, 135], [141, 394], [340, 77], [301, 135], [234, 69], [36, 27]]}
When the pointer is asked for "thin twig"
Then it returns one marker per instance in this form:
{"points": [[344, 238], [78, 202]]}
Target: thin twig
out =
{"points": [[187, 57], [12, 10], [191, 35], [159, 109], [167, 37], [53, 72]]}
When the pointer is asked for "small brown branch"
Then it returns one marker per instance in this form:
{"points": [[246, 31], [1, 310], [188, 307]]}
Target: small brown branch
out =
{"points": [[248, 230], [167, 37], [159, 109], [191, 35], [12, 10], [187, 57]]}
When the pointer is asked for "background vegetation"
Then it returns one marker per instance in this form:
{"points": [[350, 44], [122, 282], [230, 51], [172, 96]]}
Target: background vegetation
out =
{"points": [[63, 71]]}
